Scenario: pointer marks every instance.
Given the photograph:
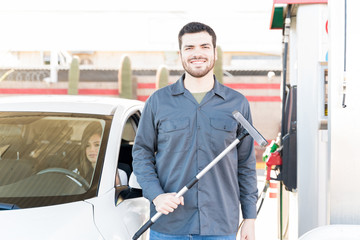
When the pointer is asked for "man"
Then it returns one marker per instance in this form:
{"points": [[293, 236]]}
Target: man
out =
{"points": [[183, 127]]}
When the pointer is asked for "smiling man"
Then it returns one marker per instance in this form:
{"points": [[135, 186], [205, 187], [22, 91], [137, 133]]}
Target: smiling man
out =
{"points": [[183, 127]]}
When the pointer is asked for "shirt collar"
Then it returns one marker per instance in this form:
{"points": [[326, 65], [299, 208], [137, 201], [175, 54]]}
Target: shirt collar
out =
{"points": [[178, 88]]}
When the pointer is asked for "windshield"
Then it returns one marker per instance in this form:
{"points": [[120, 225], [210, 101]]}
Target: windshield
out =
{"points": [[49, 155]]}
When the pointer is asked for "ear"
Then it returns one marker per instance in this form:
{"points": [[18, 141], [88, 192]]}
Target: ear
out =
{"points": [[215, 53]]}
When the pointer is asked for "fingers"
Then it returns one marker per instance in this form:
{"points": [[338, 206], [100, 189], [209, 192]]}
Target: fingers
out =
{"points": [[167, 202], [182, 200]]}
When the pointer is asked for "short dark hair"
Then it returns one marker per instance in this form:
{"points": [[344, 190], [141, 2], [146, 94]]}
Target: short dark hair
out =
{"points": [[195, 27]]}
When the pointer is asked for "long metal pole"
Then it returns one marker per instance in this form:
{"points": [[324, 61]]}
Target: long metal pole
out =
{"points": [[250, 130], [192, 182]]}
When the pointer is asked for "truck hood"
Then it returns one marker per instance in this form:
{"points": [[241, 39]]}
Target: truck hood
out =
{"points": [[63, 221]]}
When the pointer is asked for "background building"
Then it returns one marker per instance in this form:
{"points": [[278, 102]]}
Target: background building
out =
{"points": [[40, 39]]}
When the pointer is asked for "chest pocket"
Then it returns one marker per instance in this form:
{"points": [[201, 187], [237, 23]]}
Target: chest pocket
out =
{"points": [[174, 135], [223, 132]]}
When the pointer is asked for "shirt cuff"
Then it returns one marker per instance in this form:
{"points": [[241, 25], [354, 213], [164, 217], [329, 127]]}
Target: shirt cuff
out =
{"points": [[249, 211], [153, 193]]}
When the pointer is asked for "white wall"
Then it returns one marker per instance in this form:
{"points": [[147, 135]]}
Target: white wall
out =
{"points": [[344, 124]]}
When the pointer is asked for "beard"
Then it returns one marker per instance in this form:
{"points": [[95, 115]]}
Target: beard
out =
{"points": [[198, 72]]}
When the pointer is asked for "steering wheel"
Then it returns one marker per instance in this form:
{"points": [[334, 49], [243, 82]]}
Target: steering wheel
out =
{"points": [[73, 176]]}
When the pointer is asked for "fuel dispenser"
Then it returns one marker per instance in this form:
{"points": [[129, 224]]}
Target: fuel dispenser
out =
{"points": [[281, 155], [288, 169]]}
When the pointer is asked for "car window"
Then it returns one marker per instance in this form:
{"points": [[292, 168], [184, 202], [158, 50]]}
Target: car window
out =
{"points": [[125, 156], [45, 155], [129, 130]]}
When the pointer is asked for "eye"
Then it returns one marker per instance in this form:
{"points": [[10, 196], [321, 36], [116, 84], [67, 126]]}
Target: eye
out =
{"points": [[186, 48]]}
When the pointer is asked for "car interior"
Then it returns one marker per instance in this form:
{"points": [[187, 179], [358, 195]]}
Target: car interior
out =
{"points": [[127, 142], [31, 145]]}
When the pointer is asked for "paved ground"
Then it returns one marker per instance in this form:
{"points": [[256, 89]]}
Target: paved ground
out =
{"points": [[266, 227], [267, 221]]}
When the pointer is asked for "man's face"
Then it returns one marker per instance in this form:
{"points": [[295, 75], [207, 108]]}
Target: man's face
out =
{"points": [[197, 54]]}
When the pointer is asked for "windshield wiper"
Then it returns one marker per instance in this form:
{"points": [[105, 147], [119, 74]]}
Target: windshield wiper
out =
{"points": [[8, 206]]}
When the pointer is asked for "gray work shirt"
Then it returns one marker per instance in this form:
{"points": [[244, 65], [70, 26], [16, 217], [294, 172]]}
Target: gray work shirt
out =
{"points": [[176, 139]]}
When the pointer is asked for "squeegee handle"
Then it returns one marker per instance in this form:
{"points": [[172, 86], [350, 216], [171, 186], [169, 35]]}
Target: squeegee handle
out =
{"points": [[145, 227], [152, 220], [191, 183]]}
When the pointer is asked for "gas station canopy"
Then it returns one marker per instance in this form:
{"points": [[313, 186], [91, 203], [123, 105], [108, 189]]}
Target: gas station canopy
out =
{"points": [[277, 13]]}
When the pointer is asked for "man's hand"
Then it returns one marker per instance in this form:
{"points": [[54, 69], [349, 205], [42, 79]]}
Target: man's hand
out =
{"points": [[167, 202], [248, 230]]}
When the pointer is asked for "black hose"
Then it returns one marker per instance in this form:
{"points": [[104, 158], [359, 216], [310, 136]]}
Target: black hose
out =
{"points": [[345, 30], [283, 119], [262, 197]]}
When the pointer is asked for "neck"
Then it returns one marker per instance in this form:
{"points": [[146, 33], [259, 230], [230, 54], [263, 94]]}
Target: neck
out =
{"points": [[197, 85]]}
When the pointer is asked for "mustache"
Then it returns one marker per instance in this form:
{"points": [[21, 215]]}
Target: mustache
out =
{"points": [[196, 58]]}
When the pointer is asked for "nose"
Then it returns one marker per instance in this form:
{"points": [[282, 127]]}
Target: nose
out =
{"points": [[92, 148], [200, 53]]}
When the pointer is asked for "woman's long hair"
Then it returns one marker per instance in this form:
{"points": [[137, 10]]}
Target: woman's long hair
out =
{"points": [[86, 168]]}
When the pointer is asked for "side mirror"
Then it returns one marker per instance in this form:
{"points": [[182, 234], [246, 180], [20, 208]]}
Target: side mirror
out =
{"points": [[127, 192]]}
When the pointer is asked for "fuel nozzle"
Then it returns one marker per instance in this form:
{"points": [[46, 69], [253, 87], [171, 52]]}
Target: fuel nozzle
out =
{"points": [[272, 156], [274, 160]]}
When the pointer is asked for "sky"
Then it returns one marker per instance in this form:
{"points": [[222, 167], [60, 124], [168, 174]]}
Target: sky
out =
{"points": [[136, 25]]}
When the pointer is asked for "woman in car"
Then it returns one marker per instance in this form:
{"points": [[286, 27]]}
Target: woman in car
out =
{"points": [[90, 146]]}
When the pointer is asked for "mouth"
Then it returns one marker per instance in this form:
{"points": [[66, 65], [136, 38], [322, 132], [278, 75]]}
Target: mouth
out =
{"points": [[197, 61]]}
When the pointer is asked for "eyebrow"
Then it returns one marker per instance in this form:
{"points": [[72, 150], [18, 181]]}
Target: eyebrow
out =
{"points": [[185, 46], [202, 45]]}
